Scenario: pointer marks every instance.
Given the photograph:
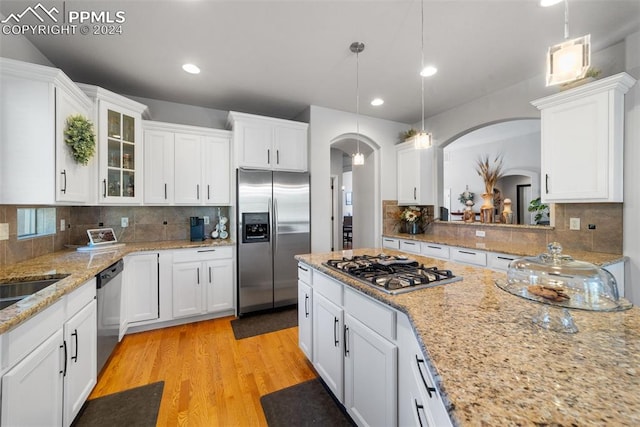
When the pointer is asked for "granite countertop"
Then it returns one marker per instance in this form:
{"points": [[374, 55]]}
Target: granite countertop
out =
{"points": [[495, 367], [519, 249], [80, 266]]}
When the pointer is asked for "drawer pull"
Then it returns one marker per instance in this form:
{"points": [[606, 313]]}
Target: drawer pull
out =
{"points": [[468, 253], [418, 408], [424, 381], [505, 258], [409, 243], [435, 247], [206, 250], [302, 268]]}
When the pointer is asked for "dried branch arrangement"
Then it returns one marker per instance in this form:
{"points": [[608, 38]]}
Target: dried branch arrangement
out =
{"points": [[490, 173]]}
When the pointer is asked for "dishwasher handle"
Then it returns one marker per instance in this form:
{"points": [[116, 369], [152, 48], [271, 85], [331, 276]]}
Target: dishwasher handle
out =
{"points": [[109, 273]]}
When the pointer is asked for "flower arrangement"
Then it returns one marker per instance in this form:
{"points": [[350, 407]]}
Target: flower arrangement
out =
{"points": [[80, 138], [490, 173], [411, 214]]}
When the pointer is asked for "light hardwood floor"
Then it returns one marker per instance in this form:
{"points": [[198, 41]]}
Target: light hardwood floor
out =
{"points": [[210, 379]]}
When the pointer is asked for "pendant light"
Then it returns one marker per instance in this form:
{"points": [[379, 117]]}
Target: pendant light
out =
{"points": [[357, 48], [423, 139], [569, 60]]}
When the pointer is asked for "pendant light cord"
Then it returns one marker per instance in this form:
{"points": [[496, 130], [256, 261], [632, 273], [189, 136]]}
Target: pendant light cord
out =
{"points": [[566, 19], [422, 59]]}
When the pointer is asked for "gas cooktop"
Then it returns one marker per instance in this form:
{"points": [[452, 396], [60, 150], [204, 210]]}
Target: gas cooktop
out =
{"points": [[392, 274]]}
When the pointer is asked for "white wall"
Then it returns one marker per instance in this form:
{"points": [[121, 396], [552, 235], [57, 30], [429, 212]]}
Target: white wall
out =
{"points": [[172, 112], [20, 48], [324, 126], [347, 183], [631, 207]]}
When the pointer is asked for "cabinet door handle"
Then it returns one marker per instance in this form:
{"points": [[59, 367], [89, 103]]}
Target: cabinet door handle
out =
{"points": [[546, 183], [64, 174], [268, 156], [414, 193], [165, 191], [429, 389], [198, 278], [302, 268], [64, 369], [206, 250], [434, 247], [208, 192], [198, 191], [346, 345], [75, 334], [277, 157], [336, 342], [418, 408], [505, 258], [210, 275], [306, 305], [104, 188], [468, 253], [409, 243]]}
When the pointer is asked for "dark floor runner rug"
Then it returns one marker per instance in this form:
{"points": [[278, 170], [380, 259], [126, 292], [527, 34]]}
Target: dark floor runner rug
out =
{"points": [[305, 404], [137, 407], [249, 326]]}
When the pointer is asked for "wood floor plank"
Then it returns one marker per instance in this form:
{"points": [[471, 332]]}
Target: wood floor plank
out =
{"points": [[210, 378]]}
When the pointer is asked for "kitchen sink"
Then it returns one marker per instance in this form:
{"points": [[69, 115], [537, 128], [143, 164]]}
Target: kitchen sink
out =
{"points": [[14, 291]]}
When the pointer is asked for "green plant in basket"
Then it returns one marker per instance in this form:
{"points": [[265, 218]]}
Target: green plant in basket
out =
{"points": [[80, 137]]}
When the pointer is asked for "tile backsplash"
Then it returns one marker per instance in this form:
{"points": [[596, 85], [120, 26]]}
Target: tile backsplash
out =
{"points": [[606, 237], [146, 223]]}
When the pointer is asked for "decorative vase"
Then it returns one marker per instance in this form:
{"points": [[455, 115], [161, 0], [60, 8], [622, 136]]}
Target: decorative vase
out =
{"points": [[507, 214], [468, 215], [413, 227], [486, 210]]}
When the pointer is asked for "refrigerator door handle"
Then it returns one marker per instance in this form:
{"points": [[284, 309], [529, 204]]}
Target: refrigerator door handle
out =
{"points": [[270, 212], [274, 232]]}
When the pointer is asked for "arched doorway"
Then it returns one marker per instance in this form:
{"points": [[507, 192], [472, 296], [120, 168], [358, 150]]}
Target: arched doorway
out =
{"points": [[355, 203]]}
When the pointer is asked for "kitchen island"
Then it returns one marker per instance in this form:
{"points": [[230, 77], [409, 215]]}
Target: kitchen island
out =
{"points": [[494, 367]]}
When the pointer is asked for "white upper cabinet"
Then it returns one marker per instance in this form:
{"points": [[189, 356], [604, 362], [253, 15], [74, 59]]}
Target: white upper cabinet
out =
{"points": [[267, 143], [120, 146], [582, 142], [36, 165], [417, 172], [186, 165]]}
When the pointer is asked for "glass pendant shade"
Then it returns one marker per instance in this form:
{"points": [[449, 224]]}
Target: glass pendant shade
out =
{"points": [[569, 60], [358, 159], [423, 140]]}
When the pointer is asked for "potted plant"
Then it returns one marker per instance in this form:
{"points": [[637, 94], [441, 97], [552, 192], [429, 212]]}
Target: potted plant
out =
{"points": [[541, 210], [408, 134]]}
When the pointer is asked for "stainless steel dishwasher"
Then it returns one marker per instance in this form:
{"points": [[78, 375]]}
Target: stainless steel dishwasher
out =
{"points": [[109, 291]]}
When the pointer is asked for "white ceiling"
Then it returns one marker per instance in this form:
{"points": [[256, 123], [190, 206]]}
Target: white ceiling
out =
{"points": [[277, 57]]}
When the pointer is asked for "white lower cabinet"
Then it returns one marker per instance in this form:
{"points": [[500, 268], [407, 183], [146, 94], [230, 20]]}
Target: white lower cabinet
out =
{"points": [[202, 281], [500, 262], [80, 336], [370, 377], [305, 324], [32, 390], [410, 246], [434, 251], [469, 256], [390, 243], [49, 362], [328, 359], [420, 402], [140, 286]]}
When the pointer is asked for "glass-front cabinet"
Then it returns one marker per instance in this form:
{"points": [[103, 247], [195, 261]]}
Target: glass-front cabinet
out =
{"points": [[120, 145], [121, 157]]}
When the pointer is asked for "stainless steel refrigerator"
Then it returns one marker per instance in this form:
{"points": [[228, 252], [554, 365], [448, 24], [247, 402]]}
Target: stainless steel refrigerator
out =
{"points": [[273, 226]]}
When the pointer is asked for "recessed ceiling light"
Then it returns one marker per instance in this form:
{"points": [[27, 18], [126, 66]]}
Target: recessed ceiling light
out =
{"points": [[191, 69], [428, 71], [547, 3], [377, 101]]}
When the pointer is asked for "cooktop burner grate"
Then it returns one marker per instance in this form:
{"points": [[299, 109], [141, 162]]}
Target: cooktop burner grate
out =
{"points": [[392, 274]]}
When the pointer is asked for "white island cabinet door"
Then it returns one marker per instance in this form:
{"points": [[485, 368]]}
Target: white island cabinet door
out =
{"points": [[32, 389], [370, 375], [305, 324], [327, 343]]}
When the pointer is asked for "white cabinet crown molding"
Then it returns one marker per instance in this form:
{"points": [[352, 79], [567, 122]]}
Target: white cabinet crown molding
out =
{"points": [[36, 72], [96, 92], [235, 116], [621, 82], [180, 128]]}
